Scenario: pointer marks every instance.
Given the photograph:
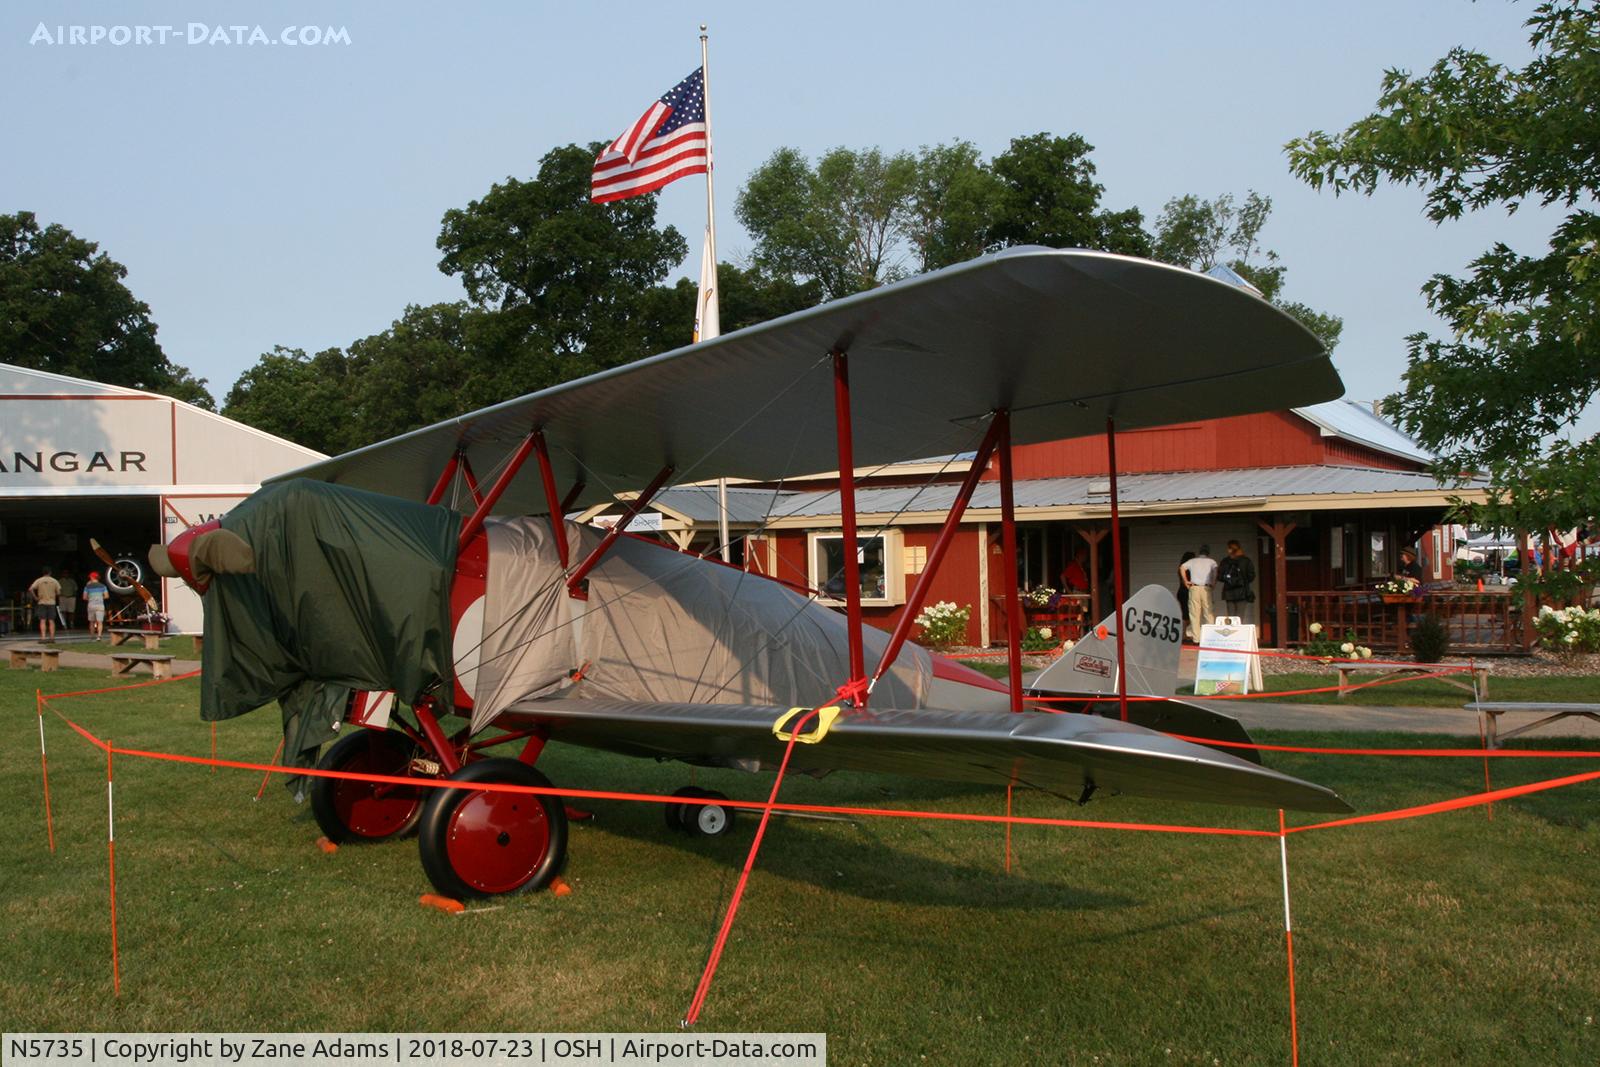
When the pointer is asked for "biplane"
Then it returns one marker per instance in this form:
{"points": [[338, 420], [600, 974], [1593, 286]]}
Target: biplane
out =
{"points": [[424, 599]]}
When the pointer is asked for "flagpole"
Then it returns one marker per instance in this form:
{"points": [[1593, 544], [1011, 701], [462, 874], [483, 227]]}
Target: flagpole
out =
{"points": [[711, 255]]}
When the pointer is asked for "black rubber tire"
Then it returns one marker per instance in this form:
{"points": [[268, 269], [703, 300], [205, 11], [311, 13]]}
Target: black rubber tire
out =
{"points": [[359, 746], [708, 820], [439, 814], [675, 813]]}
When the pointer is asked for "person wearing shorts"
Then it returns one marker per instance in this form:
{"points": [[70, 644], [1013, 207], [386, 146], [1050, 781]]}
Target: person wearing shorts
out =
{"points": [[45, 591], [94, 605]]}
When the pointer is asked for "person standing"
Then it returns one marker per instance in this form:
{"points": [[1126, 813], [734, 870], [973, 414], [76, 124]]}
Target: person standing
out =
{"points": [[1198, 576], [1236, 574], [67, 602], [1182, 591], [1410, 568], [45, 591], [94, 605]]}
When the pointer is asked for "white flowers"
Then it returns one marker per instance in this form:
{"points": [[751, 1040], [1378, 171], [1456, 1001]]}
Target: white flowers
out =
{"points": [[1315, 627], [1568, 629], [1348, 647], [944, 623], [1046, 633]]}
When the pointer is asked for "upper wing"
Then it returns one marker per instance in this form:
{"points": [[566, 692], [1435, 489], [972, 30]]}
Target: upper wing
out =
{"points": [[1063, 339], [1062, 754]]}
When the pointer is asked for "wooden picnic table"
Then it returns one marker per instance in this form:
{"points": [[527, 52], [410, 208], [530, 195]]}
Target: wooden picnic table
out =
{"points": [[49, 657], [123, 663], [1489, 714], [121, 635]]}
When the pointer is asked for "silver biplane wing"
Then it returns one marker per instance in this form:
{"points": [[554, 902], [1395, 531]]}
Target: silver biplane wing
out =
{"points": [[1063, 339]]}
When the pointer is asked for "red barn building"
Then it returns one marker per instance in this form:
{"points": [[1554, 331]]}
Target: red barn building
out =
{"points": [[1321, 499]]}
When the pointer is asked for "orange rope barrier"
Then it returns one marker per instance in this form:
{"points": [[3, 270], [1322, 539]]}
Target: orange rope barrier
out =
{"points": [[1470, 801], [699, 999]]}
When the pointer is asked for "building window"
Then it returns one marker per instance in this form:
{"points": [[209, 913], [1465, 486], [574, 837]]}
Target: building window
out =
{"points": [[1378, 554], [882, 560]]}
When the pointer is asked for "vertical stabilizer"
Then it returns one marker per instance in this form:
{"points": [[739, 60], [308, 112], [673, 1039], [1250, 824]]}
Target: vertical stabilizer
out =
{"points": [[1154, 627]]}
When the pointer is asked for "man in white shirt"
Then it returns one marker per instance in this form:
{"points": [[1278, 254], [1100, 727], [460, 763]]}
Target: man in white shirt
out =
{"points": [[1198, 576]]}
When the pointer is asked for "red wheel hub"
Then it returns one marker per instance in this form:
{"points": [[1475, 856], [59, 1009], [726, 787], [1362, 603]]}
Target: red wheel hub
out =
{"points": [[497, 841], [371, 809]]}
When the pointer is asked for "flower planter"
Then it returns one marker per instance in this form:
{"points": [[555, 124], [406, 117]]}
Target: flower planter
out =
{"points": [[1398, 598]]}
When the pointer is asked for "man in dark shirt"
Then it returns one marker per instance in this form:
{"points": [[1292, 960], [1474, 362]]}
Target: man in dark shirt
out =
{"points": [[1409, 567]]}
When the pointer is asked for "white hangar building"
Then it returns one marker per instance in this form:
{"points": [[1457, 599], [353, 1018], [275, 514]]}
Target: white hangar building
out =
{"points": [[127, 468]]}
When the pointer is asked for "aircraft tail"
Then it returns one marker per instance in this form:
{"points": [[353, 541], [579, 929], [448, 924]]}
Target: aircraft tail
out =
{"points": [[1154, 628]]}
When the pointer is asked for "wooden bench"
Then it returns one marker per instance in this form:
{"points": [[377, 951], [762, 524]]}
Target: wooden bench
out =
{"points": [[49, 658], [1489, 714], [1385, 671], [124, 662], [123, 635]]}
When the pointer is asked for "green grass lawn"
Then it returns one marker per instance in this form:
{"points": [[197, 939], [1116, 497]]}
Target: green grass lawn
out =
{"points": [[1451, 938]]}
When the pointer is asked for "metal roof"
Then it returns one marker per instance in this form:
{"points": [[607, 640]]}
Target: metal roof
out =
{"points": [[1061, 339], [1254, 483], [698, 503], [1355, 421]]}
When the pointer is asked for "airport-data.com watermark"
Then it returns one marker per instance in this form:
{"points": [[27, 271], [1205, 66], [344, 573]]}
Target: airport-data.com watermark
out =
{"points": [[193, 33]]}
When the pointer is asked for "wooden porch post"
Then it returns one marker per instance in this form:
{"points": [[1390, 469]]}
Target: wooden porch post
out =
{"points": [[1094, 535], [1524, 568], [1279, 532]]}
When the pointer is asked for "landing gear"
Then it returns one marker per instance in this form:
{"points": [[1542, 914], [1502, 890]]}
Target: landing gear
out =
{"points": [[350, 811], [704, 819], [480, 844]]}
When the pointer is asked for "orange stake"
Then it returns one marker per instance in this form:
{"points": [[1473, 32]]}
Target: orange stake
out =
{"points": [[111, 858], [273, 763], [1009, 786], [44, 770]]}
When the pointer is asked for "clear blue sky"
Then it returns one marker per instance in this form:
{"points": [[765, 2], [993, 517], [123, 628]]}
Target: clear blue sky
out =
{"points": [[264, 195]]}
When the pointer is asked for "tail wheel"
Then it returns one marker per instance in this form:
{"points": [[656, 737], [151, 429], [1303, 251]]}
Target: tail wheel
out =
{"points": [[709, 819], [701, 816], [349, 810], [481, 844], [675, 812]]}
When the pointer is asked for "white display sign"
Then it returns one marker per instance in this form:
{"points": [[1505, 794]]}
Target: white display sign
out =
{"points": [[1227, 663]]}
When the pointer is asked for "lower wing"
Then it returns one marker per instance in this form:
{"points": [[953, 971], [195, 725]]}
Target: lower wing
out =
{"points": [[1070, 755]]}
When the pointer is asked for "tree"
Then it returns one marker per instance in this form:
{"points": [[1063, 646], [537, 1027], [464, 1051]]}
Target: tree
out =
{"points": [[747, 297], [1200, 234], [64, 309], [840, 223], [572, 271], [1048, 196], [305, 399], [954, 200], [861, 218], [1522, 358]]}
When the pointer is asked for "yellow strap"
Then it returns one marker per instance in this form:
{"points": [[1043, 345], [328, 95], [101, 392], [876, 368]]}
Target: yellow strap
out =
{"points": [[819, 728]]}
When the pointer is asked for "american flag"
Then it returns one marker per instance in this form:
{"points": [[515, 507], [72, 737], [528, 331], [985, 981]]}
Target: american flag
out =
{"points": [[667, 142]]}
